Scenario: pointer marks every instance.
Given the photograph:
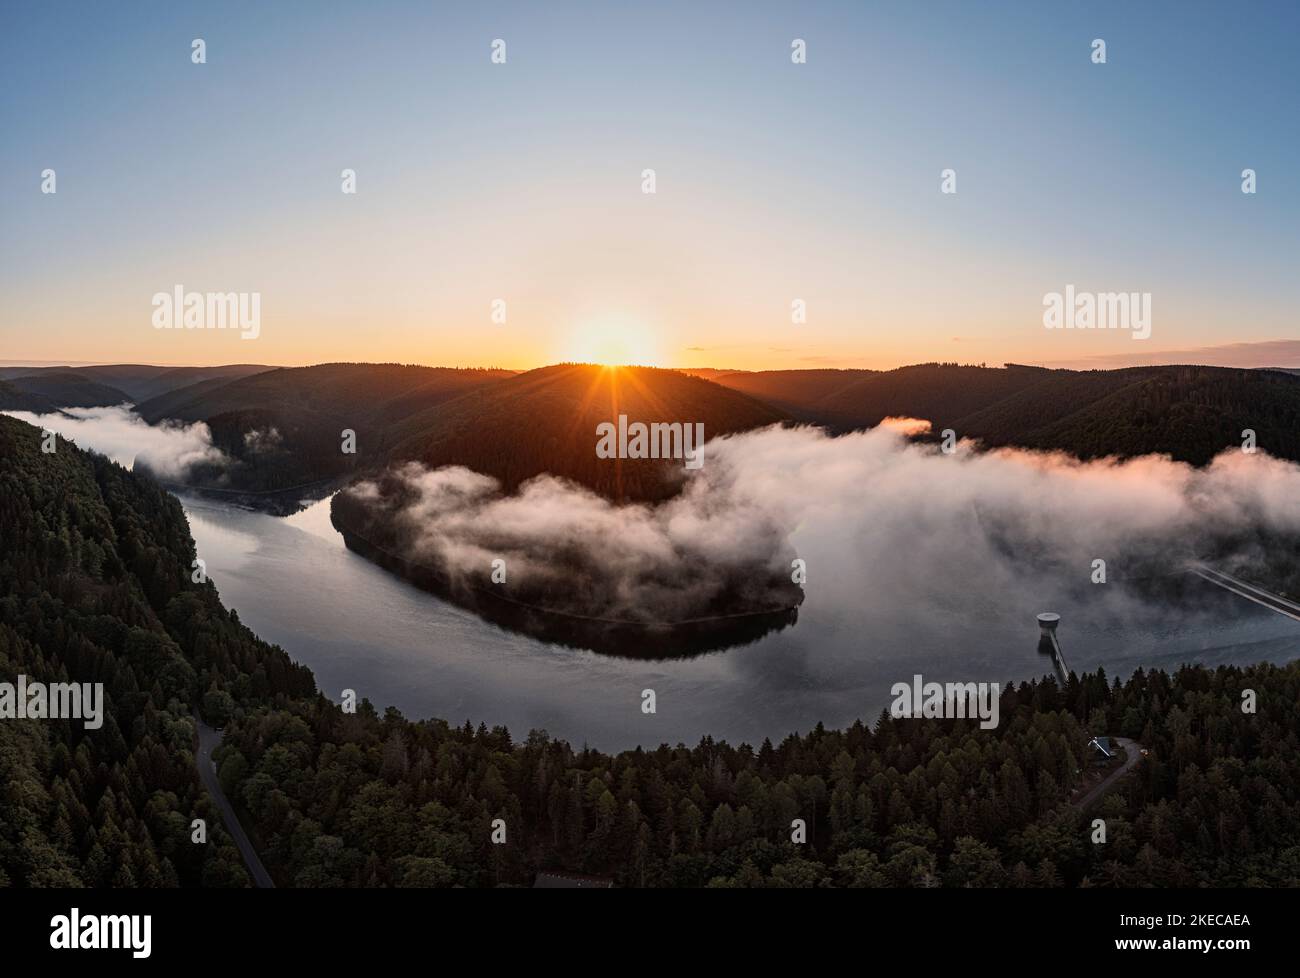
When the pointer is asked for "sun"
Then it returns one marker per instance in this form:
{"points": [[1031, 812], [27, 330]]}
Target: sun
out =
{"points": [[612, 342]]}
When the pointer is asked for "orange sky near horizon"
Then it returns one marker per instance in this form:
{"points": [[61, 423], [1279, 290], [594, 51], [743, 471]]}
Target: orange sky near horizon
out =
{"points": [[773, 182], [598, 328]]}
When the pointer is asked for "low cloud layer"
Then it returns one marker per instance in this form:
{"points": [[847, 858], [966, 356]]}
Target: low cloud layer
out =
{"points": [[168, 450], [885, 519], [880, 519], [891, 528], [568, 549]]}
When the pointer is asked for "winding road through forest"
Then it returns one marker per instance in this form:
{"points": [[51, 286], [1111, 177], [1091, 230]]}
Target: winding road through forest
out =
{"points": [[210, 740], [1132, 754]]}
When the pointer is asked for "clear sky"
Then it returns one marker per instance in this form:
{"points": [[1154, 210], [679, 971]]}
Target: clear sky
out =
{"points": [[522, 181]]}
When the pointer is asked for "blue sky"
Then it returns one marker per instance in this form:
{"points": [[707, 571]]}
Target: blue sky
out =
{"points": [[522, 181]]}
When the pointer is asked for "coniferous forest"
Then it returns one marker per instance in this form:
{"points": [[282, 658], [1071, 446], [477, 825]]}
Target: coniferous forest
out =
{"points": [[97, 584]]}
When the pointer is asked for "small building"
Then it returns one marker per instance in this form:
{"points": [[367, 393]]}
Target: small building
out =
{"points": [[1103, 752]]}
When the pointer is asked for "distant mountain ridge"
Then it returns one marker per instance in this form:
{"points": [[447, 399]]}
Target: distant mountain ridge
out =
{"points": [[58, 389], [1188, 412], [284, 426], [138, 381]]}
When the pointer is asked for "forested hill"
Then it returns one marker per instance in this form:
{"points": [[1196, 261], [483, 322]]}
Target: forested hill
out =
{"points": [[1189, 412], [59, 390], [95, 585], [285, 427], [16, 399], [545, 421]]}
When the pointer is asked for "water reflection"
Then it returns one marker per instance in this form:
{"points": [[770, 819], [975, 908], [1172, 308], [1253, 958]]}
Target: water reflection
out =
{"points": [[358, 626]]}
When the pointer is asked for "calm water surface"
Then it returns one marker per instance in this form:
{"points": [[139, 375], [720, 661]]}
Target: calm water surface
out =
{"points": [[357, 626]]}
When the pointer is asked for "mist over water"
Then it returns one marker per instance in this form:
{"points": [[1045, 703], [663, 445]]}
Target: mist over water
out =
{"points": [[706, 552], [359, 627], [882, 522], [917, 562]]}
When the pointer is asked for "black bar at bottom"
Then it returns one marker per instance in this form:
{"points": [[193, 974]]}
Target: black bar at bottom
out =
{"points": [[329, 927]]}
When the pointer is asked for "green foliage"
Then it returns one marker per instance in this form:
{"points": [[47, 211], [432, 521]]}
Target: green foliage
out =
{"points": [[910, 803], [95, 586]]}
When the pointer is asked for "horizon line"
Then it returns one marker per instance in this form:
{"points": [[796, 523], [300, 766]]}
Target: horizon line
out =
{"points": [[1078, 365]]}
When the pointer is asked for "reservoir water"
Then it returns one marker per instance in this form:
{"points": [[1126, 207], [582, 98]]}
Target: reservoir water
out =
{"points": [[359, 627]]}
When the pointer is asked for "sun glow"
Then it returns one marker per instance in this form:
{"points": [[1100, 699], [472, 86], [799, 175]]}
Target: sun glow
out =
{"points": [[612, 343]]}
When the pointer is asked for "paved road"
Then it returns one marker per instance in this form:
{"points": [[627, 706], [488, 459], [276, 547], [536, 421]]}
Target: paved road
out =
{"points": [[209, 740], [1133, 754]]}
